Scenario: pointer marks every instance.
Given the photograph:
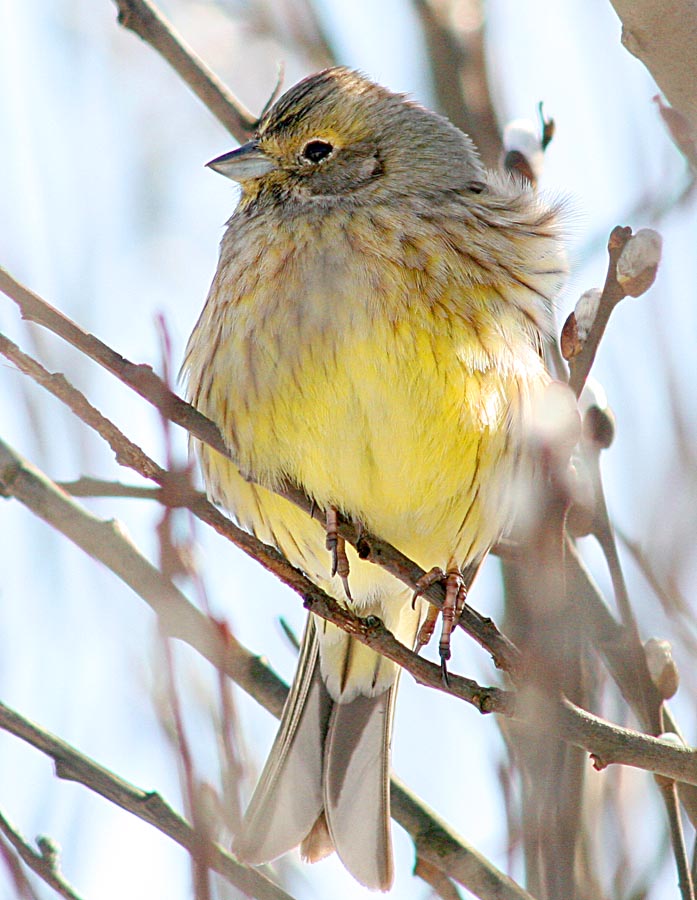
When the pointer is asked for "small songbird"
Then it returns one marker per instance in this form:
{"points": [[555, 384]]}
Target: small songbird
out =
{"points": [[373, 335]]}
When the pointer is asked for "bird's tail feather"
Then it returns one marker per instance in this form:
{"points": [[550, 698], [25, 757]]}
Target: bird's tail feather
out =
{"points": [[325, 784]]}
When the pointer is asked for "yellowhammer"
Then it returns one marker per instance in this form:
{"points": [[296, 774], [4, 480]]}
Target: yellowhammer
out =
{"points": [[373, 334]]}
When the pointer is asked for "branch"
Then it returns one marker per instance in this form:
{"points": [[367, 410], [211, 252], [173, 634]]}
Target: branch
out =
{"points": [[146, 383], [107, 543], [148, 806], [144, 19], [459, 74], [436, 843], [45, 863], [140, 378], [632, 266], [98, 487], [664, 36], [581, 362]]}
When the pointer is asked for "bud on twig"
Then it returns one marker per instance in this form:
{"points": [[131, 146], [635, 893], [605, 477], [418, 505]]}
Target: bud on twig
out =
{"points": [[522, 150], [638, 262], [556, 420], [579, 323], [662, 668], [599, 426], [569, 342]]}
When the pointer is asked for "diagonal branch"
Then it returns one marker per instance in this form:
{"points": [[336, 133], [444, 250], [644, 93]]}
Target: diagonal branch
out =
{"points": [[107, 543], [143, 380], [44, 863], [146, 805], [145, 20], [580, 365]]}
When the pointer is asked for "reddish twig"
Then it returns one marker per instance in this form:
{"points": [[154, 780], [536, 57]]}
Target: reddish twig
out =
{"points": [[148, 385]]}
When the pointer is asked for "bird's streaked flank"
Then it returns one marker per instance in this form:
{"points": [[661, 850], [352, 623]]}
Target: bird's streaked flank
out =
{"points": [[373, 335]]}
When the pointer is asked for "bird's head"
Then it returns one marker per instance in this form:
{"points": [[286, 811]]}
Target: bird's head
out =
{"points": [[337, 136]]}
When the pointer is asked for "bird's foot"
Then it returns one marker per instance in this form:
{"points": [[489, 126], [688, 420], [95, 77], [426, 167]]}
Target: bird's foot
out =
{"points": [[337, 547], [455, 598]]}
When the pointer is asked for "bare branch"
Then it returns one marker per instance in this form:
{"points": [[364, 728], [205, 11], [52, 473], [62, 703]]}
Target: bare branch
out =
{"points": [[436, 843], [146, 383], [148, 806], [181, 620], [105, 542], [439, 883], [664, 36], [45, 863], [580, 364], [459, 72], [98, 487], [140, 378], [144, 19], [677, 838]]}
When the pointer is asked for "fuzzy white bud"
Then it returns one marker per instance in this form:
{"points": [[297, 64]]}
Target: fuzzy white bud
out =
{"points": [[555, 418], [521, 136], [585, 311], [638, 262], [661, 665], [593, 394]]}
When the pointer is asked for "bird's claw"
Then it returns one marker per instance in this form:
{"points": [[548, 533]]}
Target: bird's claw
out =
{"points": [[455, 597], [337, 547]]}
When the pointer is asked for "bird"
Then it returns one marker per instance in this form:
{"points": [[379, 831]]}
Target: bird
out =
{"points": [[374, 336]]}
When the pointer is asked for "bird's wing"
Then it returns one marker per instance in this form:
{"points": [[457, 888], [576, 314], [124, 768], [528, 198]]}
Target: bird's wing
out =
{"points": [[288, 798]]}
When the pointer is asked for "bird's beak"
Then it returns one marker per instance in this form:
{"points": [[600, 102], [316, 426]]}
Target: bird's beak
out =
{"points": [[243, 164]]}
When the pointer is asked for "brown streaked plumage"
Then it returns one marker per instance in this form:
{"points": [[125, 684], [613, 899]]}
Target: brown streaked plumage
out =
{"points": [[373, 335]]}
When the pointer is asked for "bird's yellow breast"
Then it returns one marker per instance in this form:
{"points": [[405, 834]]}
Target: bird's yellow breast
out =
{"points": [[376, 373]]}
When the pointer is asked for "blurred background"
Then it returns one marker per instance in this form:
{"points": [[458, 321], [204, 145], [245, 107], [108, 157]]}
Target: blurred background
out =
{"points": [[107, 211]]}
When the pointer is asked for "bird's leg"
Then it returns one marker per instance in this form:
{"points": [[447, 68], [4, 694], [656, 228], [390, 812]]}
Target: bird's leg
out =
{"points": [[455, 597], [337, 547], [433, 576], [427, 627]]}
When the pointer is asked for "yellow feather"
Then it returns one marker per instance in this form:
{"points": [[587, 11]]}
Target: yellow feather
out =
{"points": [[373, 336]]}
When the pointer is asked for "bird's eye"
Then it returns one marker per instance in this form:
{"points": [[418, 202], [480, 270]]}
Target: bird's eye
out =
{"points": [[315, 151]]}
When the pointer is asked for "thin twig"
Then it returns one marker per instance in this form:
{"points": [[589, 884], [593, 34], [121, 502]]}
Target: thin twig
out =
{"points": [[148, 385], [19, 879], [677, 838], [98, 487], [438, 844], [146, 805], [651, 701], [145, 20], [460, 75], [607, 743], [183, 621], [651, 710], [44, 863], [671, 598], [140, 378], [612, 293], [436, 879]]}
